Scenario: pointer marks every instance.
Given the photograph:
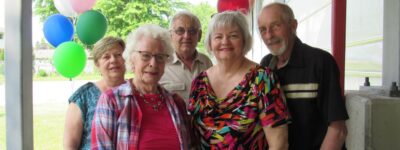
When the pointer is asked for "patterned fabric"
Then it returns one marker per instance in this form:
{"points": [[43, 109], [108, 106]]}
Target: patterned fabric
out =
{"points": [[117, 121], [236, 121], [86, 99]]}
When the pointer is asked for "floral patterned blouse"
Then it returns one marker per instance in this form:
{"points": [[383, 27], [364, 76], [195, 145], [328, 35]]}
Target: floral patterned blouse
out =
{"points": [[236, 121]]}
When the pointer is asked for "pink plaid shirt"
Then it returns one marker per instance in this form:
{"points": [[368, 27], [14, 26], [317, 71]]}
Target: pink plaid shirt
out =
{"points": [[117, 119]]}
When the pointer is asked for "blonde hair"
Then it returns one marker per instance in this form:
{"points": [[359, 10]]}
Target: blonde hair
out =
{"points": [[228, 19], [104, 45]]}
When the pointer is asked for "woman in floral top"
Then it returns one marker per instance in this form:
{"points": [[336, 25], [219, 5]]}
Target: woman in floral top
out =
{"points": [[236, 104]]}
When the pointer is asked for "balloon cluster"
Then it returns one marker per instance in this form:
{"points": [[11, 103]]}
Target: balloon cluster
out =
{"points": [[69, 58]]}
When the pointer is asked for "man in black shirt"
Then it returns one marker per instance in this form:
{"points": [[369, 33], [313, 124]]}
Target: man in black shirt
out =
{"points": [[310, 79]]}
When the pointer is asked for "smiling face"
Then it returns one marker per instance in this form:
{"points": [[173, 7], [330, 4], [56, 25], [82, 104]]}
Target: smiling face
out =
{"points": [[148, 71], [227, 43], [111, 64], [276, 32], [185, 34]]}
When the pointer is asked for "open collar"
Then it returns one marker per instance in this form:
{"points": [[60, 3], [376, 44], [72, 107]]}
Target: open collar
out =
{"points": [[296, 58], [175, 58]]}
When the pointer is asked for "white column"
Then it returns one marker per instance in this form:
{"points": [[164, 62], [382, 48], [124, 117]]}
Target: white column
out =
{"points": [[18, 74], [391, 43]]}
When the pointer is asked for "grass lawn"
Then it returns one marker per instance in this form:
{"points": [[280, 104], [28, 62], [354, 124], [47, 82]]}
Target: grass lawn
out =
{"points": [[48, 126], [2, 128], [1, 78], [48, 119]]}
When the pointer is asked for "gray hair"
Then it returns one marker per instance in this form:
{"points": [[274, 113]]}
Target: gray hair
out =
{"points": [[188, 14], [147, 30], [287, 12], [228, 19], [104, 45]]}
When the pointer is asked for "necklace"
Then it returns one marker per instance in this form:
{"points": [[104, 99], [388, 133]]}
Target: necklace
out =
{"points": [[156, 106]]}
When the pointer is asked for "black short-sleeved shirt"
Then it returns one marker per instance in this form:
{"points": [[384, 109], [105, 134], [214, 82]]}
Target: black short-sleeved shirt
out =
{"points": [[311, 84]]}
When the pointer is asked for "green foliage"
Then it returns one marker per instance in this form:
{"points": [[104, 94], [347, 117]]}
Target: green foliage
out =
{"points": [[1, 54], [42, 73], [204, 12], [1, 63], [124, 16], [44, 9], [42, 44]]}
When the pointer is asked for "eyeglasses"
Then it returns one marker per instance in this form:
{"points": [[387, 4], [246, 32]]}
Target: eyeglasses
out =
{"points": [[181, 31], [146, 56]]}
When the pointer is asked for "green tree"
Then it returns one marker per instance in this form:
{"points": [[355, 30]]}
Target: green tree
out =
{"points": [[44, 9], [204, 12], [123, 15]]}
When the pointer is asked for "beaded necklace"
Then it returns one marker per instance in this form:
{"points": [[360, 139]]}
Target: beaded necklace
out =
{"points": [[155, 106]]}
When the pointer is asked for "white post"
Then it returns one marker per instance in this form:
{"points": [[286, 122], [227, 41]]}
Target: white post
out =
{"points": [[391, 45], [18, 74]]}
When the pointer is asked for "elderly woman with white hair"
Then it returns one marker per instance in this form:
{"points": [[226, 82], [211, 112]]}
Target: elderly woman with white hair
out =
{"points": [[140, 114], [236, 104]]}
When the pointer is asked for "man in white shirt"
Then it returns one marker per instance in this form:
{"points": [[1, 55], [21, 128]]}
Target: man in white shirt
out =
{"points": [[187, 62]]}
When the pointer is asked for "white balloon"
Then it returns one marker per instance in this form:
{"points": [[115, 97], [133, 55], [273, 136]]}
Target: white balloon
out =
{"points": [[65, 8]]}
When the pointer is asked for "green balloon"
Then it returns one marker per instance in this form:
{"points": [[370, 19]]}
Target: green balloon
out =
{"points": [[91, 27], [69, 59]]}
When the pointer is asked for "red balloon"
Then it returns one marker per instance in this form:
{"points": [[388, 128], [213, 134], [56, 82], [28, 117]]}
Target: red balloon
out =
{"points": [[233, 5]]}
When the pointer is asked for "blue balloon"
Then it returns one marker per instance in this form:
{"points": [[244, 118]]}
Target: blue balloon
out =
{"points": [[58, 29]]}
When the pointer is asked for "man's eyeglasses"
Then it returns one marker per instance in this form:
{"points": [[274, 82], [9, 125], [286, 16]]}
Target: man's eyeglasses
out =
{"points": [[146, 56], [181, 31]]}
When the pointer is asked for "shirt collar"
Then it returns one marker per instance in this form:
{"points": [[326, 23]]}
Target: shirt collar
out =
{"points": [[124, 89], [296, 58], [127, 88], [175, 58]]}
